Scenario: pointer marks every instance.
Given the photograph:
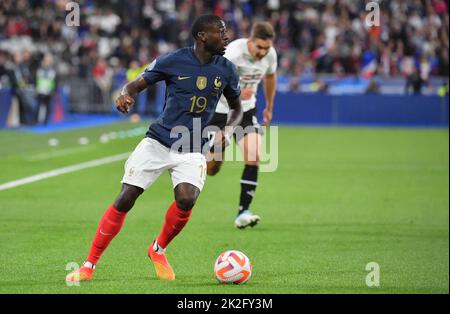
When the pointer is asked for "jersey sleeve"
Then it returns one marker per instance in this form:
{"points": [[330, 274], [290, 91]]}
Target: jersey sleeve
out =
{"points": [[232, 52], [232, 89], [156, 71], [273, 62]]}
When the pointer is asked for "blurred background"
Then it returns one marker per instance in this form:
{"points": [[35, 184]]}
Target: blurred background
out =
{"points": [[361, 147], [333, 67]]}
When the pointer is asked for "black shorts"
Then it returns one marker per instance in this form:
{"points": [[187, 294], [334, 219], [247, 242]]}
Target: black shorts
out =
{"points": [[249, 123]]}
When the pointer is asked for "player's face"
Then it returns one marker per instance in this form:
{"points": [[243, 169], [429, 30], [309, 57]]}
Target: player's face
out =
{"points": [[217, 39], [259, 48]]}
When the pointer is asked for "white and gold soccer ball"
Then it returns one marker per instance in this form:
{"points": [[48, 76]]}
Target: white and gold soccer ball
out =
{"points": [[233, 267]]}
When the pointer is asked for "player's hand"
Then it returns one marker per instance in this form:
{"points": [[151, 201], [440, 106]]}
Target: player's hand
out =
{"points": [[124, 102], [246, 93], [267, 116]]}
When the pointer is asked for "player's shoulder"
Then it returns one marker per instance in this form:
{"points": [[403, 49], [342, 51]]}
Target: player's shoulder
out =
{"points": [[224, 62], [272, 55], [236, 48], [272, 52], [167, 61], [182, 53], [240, 43]]}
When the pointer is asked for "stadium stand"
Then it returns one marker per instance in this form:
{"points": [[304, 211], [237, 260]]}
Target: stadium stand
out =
{"points": [[323, 46]]}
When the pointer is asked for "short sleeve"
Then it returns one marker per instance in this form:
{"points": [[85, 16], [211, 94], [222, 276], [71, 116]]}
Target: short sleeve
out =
{"points": [[232, 52], [232, 89], [156, 71]]}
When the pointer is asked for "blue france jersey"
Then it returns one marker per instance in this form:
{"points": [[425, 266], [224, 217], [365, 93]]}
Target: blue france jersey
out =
{"points": [[192, 92]]}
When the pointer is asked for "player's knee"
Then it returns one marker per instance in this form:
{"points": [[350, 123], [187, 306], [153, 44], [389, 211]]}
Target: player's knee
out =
{"points": [[213, 168], [185, 196], [127, 197], [252, 159], [212, 171], [185, 202]]}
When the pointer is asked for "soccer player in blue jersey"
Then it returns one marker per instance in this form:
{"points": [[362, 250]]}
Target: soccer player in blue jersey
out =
{"points": [[195, 77]]}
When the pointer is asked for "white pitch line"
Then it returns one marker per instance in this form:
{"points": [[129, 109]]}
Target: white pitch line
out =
{"points": [[60, 153], [61, 171]]}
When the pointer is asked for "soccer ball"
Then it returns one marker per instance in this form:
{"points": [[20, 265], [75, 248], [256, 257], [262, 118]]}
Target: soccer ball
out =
{"points": [[233, 267]]}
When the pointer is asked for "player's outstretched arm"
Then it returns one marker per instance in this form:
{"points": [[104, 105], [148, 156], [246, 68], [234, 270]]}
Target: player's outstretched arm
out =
{"points": [[129, 92]]}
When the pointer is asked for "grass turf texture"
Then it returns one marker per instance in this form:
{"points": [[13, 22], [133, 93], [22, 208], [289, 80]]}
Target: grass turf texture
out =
{"points": [[340, 198]]}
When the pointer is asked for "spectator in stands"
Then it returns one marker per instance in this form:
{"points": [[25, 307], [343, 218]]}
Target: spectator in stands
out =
{"points": [[45, 88], [443, 89], [331, 35], [133, 72], [103, 76], [23, 73], [11, 75], [414, 82], [373, 87]]}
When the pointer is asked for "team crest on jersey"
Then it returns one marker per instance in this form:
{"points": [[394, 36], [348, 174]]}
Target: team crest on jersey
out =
{"points": [[217, 86], [201, 82], [217, 82]]}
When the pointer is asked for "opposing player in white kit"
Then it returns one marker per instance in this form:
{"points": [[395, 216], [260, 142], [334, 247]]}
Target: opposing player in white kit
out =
{"points": [[256, 60]]}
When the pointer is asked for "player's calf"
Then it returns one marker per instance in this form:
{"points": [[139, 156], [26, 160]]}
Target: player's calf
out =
{"points": [[177, 217], [250, 145]]}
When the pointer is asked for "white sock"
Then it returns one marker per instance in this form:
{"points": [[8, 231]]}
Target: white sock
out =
{"points": [[158, 249], [89, 264]]}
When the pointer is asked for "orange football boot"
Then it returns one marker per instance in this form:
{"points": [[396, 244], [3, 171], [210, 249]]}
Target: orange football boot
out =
{"points": [[163, 269], [82, 274]]}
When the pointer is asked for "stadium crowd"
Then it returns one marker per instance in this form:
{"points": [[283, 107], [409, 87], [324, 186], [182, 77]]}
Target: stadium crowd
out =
{"points": [[117, 39]]}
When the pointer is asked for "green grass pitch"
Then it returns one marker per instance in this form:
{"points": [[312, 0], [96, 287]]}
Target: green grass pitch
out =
{"points": [[340, 198]]}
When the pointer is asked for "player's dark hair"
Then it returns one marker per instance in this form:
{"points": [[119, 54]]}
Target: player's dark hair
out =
{"points": [[263, 30], [202, 23]]}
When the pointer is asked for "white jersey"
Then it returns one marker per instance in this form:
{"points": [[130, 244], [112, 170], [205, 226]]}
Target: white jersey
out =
{"points": [[251, 71]]}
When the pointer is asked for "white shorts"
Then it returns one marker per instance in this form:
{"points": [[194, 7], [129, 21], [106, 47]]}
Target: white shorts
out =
{"points": [[150, 159]]}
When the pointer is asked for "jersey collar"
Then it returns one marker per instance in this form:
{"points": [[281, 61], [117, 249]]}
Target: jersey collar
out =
{"points": [[194, 57]]}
